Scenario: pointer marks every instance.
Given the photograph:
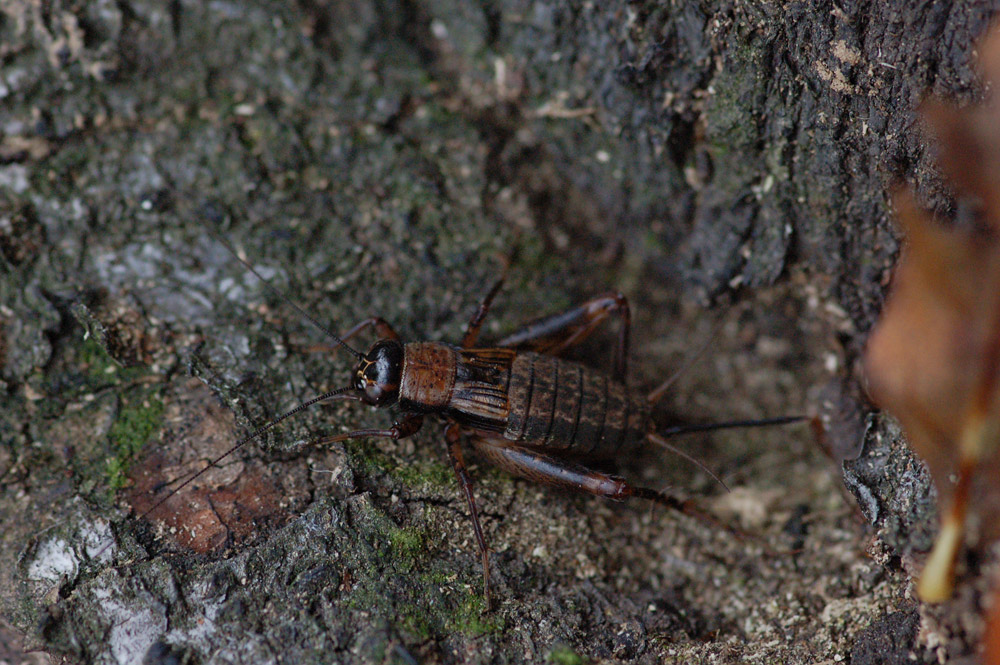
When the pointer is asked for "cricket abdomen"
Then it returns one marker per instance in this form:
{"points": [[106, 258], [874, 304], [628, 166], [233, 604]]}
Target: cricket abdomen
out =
{"points": [[561, 404]]}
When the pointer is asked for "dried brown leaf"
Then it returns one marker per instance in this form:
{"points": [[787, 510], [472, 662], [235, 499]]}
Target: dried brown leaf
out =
{"points": [[925, 357], [991, 632], [933, 360]]}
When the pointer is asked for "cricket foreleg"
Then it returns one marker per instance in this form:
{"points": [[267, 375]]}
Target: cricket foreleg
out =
{"points": [[401, 429], [382, 329]]}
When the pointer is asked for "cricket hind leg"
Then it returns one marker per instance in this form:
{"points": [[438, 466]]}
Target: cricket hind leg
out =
{"points": [[557, 332], [538, 467]]}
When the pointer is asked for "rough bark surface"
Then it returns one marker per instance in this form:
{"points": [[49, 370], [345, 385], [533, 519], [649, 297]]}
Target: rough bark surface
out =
{"points": [[724, 164]]}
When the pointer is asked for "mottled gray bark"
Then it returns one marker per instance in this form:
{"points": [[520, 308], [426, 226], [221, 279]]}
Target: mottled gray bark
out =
{"points": [[724, 164]]}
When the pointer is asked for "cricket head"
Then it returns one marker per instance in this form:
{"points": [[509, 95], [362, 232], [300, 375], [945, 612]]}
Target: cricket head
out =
{"points": [[378, 373]]}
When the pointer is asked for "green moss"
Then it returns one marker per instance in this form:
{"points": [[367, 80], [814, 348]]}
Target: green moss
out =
{"points": [[433, 474], [730, 115], [563, 655], [416, 622], [135, 423], [408, 545], [371, 461], [471, 618], [96, 361], [425, 619], [406, 585], [99, 369]]}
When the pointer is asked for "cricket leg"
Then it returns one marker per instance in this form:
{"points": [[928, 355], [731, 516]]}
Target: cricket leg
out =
{"points": [[453, 436], [400, 429], [476, 322], [382, 329], [555, 333], [551, 470], [539, 467]]}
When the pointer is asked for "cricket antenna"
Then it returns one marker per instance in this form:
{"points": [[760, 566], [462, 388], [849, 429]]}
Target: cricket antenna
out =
{"points": [[659, 438], [660, 441], [239, 444], [274, 291]]}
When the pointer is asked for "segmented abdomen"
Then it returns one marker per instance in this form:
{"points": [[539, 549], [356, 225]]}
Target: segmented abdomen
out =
{"points": [[561, 404]]}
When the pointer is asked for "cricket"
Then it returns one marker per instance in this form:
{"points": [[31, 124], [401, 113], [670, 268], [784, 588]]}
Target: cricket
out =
{"points": [[518, 404]]}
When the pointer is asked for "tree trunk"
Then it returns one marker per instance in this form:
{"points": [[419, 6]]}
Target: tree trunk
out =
{"points": [[723, 164]]}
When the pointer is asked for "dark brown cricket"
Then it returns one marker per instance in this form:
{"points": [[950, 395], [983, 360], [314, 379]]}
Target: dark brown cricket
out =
{"points": [[523, 408]]}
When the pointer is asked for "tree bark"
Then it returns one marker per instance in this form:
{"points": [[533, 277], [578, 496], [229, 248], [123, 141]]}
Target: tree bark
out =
{"points": [[724, 164]]}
